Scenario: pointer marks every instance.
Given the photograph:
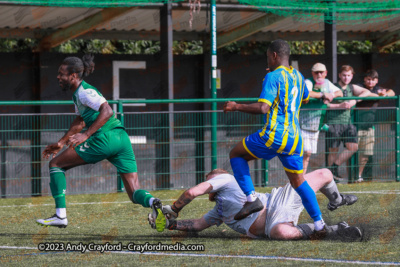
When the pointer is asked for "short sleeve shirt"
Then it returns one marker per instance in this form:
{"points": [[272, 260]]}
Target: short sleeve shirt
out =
{"points": [[87, 100], [229, 201], [283, 90]]}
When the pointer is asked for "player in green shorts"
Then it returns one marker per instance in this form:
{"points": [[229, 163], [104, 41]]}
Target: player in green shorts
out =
{"points": [[105, 138]]}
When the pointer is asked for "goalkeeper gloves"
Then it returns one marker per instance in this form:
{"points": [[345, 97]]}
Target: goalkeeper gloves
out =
{"points": [[170, 223], [171, 212]]}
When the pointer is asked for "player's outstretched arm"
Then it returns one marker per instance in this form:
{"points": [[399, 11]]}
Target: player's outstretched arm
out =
{"points": [[51, 150], [105, 114], [193, 225], [188, 196], [255, 108]]}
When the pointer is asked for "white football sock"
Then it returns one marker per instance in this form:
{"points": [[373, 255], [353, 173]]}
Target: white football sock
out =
{"points": [[151, 201], [61, 212], [319, 225], [252, 197]]}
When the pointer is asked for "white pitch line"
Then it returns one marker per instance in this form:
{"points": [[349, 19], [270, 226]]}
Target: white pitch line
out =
{"points": [[88, 203], [13, 247], [233, 256], [259, 257], [383, 192]]}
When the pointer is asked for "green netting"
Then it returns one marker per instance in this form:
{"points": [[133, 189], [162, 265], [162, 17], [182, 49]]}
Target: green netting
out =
{"points": [[88, 3], [343, 12]]}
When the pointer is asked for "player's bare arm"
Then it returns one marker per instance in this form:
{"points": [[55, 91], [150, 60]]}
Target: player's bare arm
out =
{"points": [[193, 225], [189, 195], [51, 150], [105, 114], [255, 108]]}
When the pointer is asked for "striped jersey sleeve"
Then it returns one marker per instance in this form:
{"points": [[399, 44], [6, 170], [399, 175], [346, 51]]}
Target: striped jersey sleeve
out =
{"points": [[269, 90]]}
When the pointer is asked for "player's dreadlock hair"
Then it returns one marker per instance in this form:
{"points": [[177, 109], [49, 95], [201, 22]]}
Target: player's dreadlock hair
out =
{"points": [[280, 47], [83, 67]]}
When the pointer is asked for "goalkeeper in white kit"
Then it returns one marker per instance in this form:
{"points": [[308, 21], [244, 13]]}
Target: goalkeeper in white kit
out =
{"points": [[277, 220]]}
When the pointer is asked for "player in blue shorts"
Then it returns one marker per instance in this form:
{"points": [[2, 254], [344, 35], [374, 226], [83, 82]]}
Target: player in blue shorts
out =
{"points": [[283, 91], [104, 138]]}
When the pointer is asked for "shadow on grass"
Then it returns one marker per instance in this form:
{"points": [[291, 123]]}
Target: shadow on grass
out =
{"points": [[98, 238]]}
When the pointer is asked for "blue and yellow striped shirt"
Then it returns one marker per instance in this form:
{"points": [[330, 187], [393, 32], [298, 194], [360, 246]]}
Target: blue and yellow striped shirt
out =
{"points": [[283, 90]]}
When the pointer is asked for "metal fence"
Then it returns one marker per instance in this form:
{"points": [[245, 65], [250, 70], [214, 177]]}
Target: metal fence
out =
{"points": [[378, 163], [173, 150]]}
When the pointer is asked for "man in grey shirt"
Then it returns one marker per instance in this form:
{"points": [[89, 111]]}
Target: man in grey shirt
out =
{"points": [[277, 220]]}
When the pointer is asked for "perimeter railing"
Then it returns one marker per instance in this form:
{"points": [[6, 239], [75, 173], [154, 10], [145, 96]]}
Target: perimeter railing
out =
{"points": [[173, 149]]}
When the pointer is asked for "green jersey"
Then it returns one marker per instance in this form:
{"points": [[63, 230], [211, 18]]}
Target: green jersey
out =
{"points": [[340, 116], [87, 101]]}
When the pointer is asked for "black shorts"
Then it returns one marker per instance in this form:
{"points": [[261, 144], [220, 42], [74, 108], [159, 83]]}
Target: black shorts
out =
{"points": [[337, 133]]}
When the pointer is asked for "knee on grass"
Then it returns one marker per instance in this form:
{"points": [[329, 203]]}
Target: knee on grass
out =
{"points": [[285, 231]]}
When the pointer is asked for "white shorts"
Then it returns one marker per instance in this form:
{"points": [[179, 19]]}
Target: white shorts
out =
{"points": [[366, 141], [284, 205], [310, 140]]}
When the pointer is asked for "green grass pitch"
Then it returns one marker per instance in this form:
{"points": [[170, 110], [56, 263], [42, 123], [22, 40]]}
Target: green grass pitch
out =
{"points": [[112, 218]]}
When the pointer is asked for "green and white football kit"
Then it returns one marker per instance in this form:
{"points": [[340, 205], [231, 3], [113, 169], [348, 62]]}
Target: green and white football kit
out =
{"points": [[110, 141]]}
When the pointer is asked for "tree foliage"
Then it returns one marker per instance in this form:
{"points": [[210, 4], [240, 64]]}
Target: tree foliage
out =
{"points": [[305, 47], [392, 49], [146, 47], [355, 47], [143, 47], [17, 45]]}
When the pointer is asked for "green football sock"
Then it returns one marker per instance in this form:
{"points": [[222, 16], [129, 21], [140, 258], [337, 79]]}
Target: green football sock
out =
{"points": [[142, 197], [58, 186]]}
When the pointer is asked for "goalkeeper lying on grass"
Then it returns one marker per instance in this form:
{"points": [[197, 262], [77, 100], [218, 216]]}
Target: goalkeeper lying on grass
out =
{"points": [[278, 219]]}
